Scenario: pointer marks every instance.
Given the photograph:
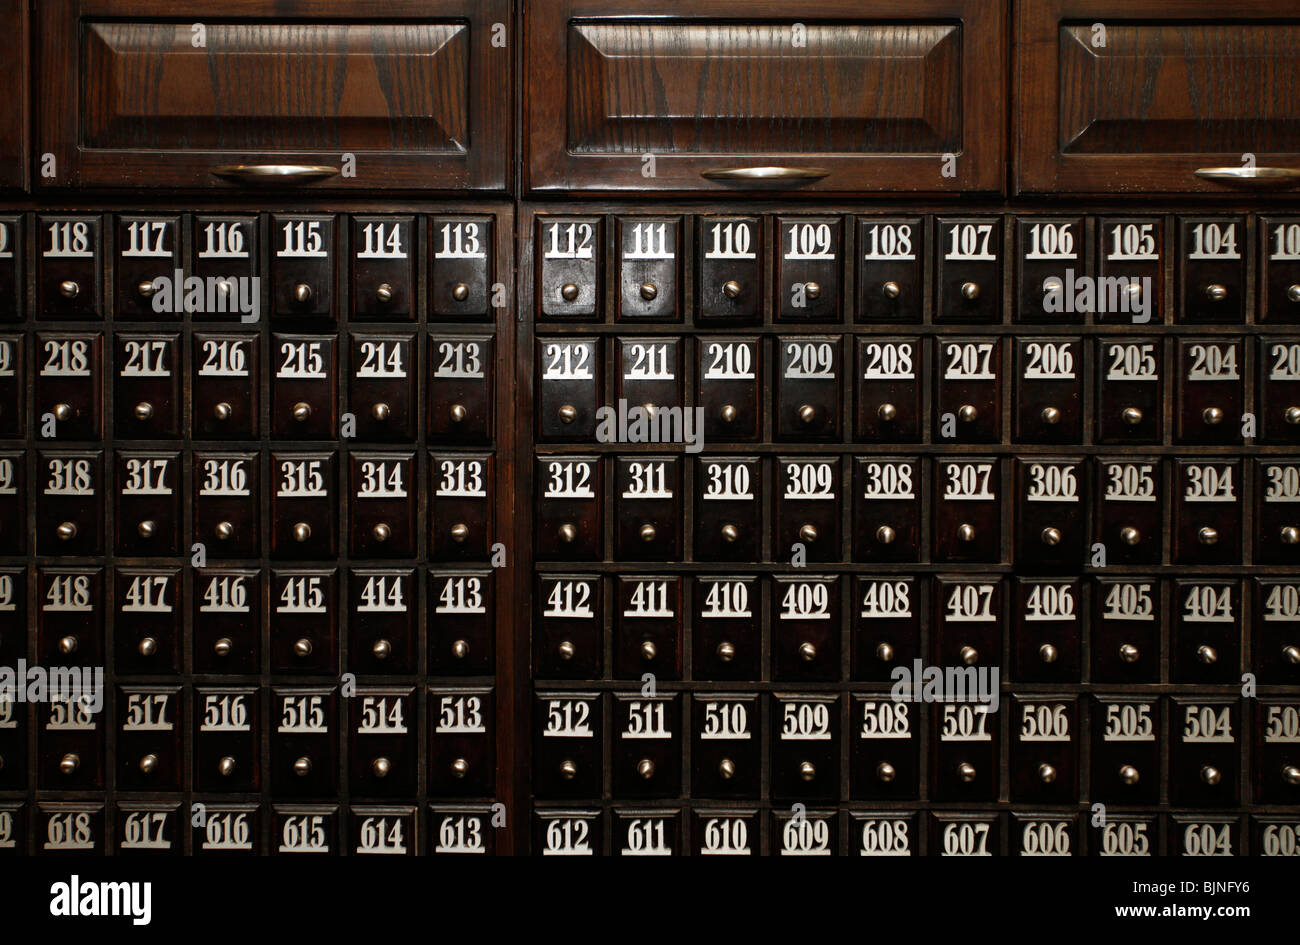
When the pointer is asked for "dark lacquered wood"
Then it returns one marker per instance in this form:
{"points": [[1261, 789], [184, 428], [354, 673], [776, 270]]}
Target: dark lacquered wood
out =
{"points": [[15, 123]]}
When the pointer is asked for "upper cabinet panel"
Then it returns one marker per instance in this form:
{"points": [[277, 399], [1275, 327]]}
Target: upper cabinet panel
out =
{"points": [[734, 95], [13, 116], [1157, 96], [201, 95]]}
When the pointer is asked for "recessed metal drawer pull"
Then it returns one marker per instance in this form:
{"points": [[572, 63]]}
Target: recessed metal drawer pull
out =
{"points": [[274, 173]]}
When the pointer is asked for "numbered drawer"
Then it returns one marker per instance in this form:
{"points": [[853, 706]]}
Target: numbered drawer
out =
{"points": [[569, 508], [808, 511], [224, 391], [303, 255], [648, 507], [890, 269], [383, 831], [1278, 289], [568, 637], [148, 515], [13, 383], [1046, 630], [384, 513], [885, 757], [889, 405], [1126, 750], [13, 502], [1047, 400], [656, 832], [568, 833], [1277, 529], [226, 258], [462, 267], [809, 269], [1278, 375], [1130, 516], [649, 286], [968, 271], [966, 834], [725, 752], [884, 833], [964, 759], [887, 509], [968, 623], [382, 267], [69, 269], [1126, 835], [228, 830], [462, 742], [13, 775], [1206, 641], [805, 749], [567, 747], [805, 833], [1130, 270], [887, 625], [147, 386], [462, 623], [968, 392], [148, 258], [1207, 512], [1127, 617], [1277, 751], [146, 829], [69, 385], [304, 621], [1204, 835], [75, 827], [226, 508], [1045, 834], [304, 741], [147, 627], [648, 627], [728, 513], [648, 744], [13, 257], [1276, 639], [227, 620], [808, 388], [457, 830], [70, 739], [729, 269], [570, 388], [570, 267], [649, 377], [968, 510], [302, 828], [727, 638], [1205, 751], [1274, 836], [304, 520], [461, 388], [1210, 391], [1050, 513], [1129, 390], [150, 726], [730, 373], [383, 620], [1212, 270], [806, 629], [304, 387], [1045, 737], [1049, 254], [13, 617], [382, 386], [726, 832], [70, 621]]}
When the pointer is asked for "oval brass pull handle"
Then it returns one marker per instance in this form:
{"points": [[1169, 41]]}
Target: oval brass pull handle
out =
{"points": [[1261, 177], [274, 173], [765, 174]]}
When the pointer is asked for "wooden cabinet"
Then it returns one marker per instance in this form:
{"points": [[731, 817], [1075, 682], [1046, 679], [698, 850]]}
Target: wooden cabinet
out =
{"points": [[1165, 96], [361, 96], [723, 97], [14, 125]]}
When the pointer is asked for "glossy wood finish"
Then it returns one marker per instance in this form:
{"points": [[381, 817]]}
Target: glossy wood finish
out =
{"points": [[14, 119]]}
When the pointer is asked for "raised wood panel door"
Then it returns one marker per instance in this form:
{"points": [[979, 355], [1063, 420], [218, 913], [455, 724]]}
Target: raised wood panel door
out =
{"points": [[852, 96], [13, 117]]}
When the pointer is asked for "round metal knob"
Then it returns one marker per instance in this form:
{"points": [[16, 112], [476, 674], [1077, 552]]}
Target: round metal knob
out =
{"points": [[727, 769], [1134, 289], [967, 413], [569, 292], [566, 650], [1207, 654], [302, 766], [459, 768], [884, 653], [148, 764], [1132, 416], [730, 532], [1289, 535], [965, 532], [1211, 775], [568, 770], [1292, 415], [728, 413], [969, 655], [891, 290], [567, 413], [1129, 775], [460, 649], [1215, 292], [646, 768], [224, 286], [380, 767], [970, 291], [69, 289], [460, 292], [807, 771], [807, 413], [1052, 284], [1291, 654], [649, 291], [69, 763], [731, 289], [301, 531], [887, 412], [143, 410], [885, 772], [381, 649], [647, 532], [302, 293], [726, 652], [224, 530], [808, 533], [1051, 536], [649, 651], [302, 648], [966, 772], [66, 531], [223, 647], [145, 529], [1051, 415], [1046, 774], [384, 293], [459, 532], [885, 535], [1293, 293], [458, 413], [222, 411], [1130, 535], [1291, 775], [807, 652], [568, 532], [301, 411], [1207, 535], [1048, 653], [63, 412], [147, 647], [68, 645], [1129, 653], [380, 411], [226, 766], [812, 290], [1212, 415], [381, 532]]}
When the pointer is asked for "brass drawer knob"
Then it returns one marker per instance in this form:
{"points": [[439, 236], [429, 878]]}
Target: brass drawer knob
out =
{"points": [[727, 769], [459, 768], [460, 292], [646, 768], [1211, 775], [381, 532], [568, 532], [569, 292], [63, 412], [649, 291], [969, 655], [224, 530], [731, 289], [1051, 536], [381, 649], [302, 766], [302, 293], [1046, 774], [1289, 535], [1051, 415], [223, 411], [148, 764], [812, 290], [302, 648], [891, 290], [380, 767], [143, 410], [966, 772], [887, 412], [568, 770], [68, 645], [1212, 416], [807, 652], [460, 649], [301, 531], [807, 771], [728, 413], [147, 646], [69, 289], [301, 411], [1130, 535], [965, 532], [384, 294], [1215, 292], [885, 772], [67, 531], [459, 532], [567, 413], [1129, 775], [1129, 653], [223, 646], [69, 763], [1048, 653], [566, 650], [647, 533], [146, 529], [226, 766], [1293, 293], [1132, 416], [380, 411], [730, 532], [1291, 775], [649, 651], [967, 413], [726, 651], [1292, 415], [1207, 535], [1291, 654], [807, 413], [1207, 654], [458, 413], [885, 653], [885, 535], [808, 533], [970, 291]]}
